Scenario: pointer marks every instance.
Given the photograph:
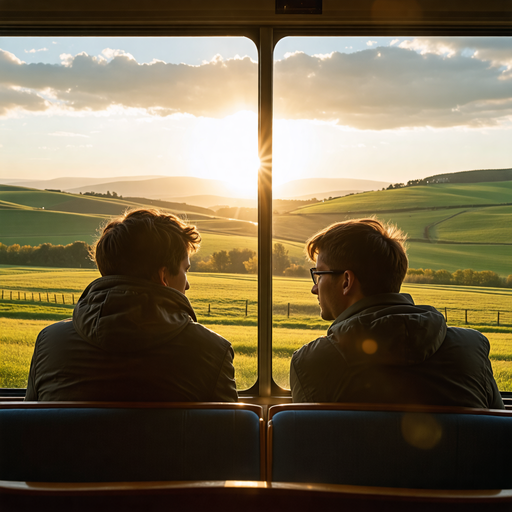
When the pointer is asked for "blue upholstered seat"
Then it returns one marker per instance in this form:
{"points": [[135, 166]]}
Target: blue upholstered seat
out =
{"points": [[129, 444], [392, 449]]}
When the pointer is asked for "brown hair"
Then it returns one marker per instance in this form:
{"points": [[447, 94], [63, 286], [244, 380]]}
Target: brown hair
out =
{"points": [[374, 251], [141, 242]]}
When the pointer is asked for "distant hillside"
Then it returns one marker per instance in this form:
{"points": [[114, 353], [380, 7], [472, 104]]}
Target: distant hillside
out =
{"points": [[479, 176], [67, 183], [318, 187], [415, 198], [161, 188]]}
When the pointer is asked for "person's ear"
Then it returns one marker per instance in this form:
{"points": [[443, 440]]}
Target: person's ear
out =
{"points": [[162, 276], [348, 282]]}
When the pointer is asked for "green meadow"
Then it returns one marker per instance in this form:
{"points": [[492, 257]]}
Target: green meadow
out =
{"points": [[220, 302], [419, 197], [452, 238]]}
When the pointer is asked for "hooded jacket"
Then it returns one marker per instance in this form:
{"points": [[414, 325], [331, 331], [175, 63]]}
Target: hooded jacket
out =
{"points": [[385, 349], [131, 340]]}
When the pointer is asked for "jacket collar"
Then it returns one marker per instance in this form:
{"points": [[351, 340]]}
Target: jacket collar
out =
{"points": [[380, 299]]}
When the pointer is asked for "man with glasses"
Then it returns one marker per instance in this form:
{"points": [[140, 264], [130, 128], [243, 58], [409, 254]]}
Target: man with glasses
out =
{"points": [[381, 347]]}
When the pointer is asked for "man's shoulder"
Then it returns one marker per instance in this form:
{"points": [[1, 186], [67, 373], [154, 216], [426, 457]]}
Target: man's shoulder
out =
{"points": [[466, 334], [201, 333], [314, 350], [64, 327]]}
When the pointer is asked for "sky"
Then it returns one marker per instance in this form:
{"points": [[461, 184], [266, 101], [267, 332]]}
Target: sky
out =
{"points": [[386, 109]]}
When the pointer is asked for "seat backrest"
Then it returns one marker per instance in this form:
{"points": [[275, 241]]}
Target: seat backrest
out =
{"points": [[416, 447], [126, 442]]}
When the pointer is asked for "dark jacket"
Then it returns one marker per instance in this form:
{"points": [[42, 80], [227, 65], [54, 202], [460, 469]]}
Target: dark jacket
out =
{"points": [[129, 340], [384, 349]]}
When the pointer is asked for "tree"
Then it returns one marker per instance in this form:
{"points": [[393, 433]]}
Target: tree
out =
{"points": [[252, 265], [237, 258], [280, 259], [488, 278], [442, 276], [220, 261], [295, 270]]}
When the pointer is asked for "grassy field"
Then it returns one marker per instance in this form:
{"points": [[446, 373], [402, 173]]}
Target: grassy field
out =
{"points": [[227, 296], [486, 224], [426, 196], [74, 217]]}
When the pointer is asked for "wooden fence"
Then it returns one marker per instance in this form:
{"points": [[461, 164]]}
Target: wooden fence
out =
{"points": [[454, 316]]}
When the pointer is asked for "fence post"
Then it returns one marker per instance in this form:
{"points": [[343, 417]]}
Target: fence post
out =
{"points": [[25, 294], [32, 296], [288, 310], [18, 295], [466, 316], [208, 309], [498, 318], [55, 298], [446, 314], [47, 297], [246, 307], [63, 300], [11, 296], [73, 296], [2, 295]]}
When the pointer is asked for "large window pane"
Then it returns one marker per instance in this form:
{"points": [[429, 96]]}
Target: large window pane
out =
{"points": [[91, 126], [387, 127]]}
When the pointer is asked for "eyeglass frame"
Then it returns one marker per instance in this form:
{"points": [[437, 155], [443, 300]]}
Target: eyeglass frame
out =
{"points": [[314, 272]]}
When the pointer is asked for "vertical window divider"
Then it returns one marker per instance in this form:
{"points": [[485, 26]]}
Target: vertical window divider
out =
{"points": [[265, 119]]}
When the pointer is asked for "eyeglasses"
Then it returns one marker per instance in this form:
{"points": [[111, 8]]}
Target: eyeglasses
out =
{"points": [[314, 273]]}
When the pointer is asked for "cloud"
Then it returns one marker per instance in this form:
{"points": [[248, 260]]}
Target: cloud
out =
{"points": [[395, 87], [109, 53], [370, 43], [87, 83], [13, 99], [495, 50], [68, 134], [35, 51], [438, 82]]}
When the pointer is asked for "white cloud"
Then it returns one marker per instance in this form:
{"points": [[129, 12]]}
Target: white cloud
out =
{"points": [[35, 51], [395, 41], [67, 134], [371, 43], [411, 84], [109, 53]]}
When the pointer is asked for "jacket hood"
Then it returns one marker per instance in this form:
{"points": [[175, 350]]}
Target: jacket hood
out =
{"points": [[130, 314], [388, 329]]}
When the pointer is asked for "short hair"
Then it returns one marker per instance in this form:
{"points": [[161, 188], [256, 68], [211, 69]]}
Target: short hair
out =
{"points": [[141, 242], [374, 251]]}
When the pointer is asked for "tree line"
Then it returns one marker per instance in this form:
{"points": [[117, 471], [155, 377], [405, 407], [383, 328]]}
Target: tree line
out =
{"points": [[75, 255], [467, 277], [236, 261], [245, 261]]}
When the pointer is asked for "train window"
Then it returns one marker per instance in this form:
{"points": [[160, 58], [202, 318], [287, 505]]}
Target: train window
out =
{"points": [[91, 126], [415, 131]]}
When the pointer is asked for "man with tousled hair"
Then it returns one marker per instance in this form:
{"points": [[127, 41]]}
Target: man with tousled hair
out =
{"points": [[381, 347], [134, 335]]}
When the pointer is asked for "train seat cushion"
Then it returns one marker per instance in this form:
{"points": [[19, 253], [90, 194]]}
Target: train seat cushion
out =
{"points": [[100, 444], [393, 449]]}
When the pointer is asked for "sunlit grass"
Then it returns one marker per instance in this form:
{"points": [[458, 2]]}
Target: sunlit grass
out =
{"points": [[227, 295]]}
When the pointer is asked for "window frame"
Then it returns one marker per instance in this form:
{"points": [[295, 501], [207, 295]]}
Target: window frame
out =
{"points": [[260, 23]]}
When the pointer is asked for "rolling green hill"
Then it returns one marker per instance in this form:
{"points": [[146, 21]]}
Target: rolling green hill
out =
{"points": [[449, 226], [492, 225], [443, 231], [413, 198]]}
